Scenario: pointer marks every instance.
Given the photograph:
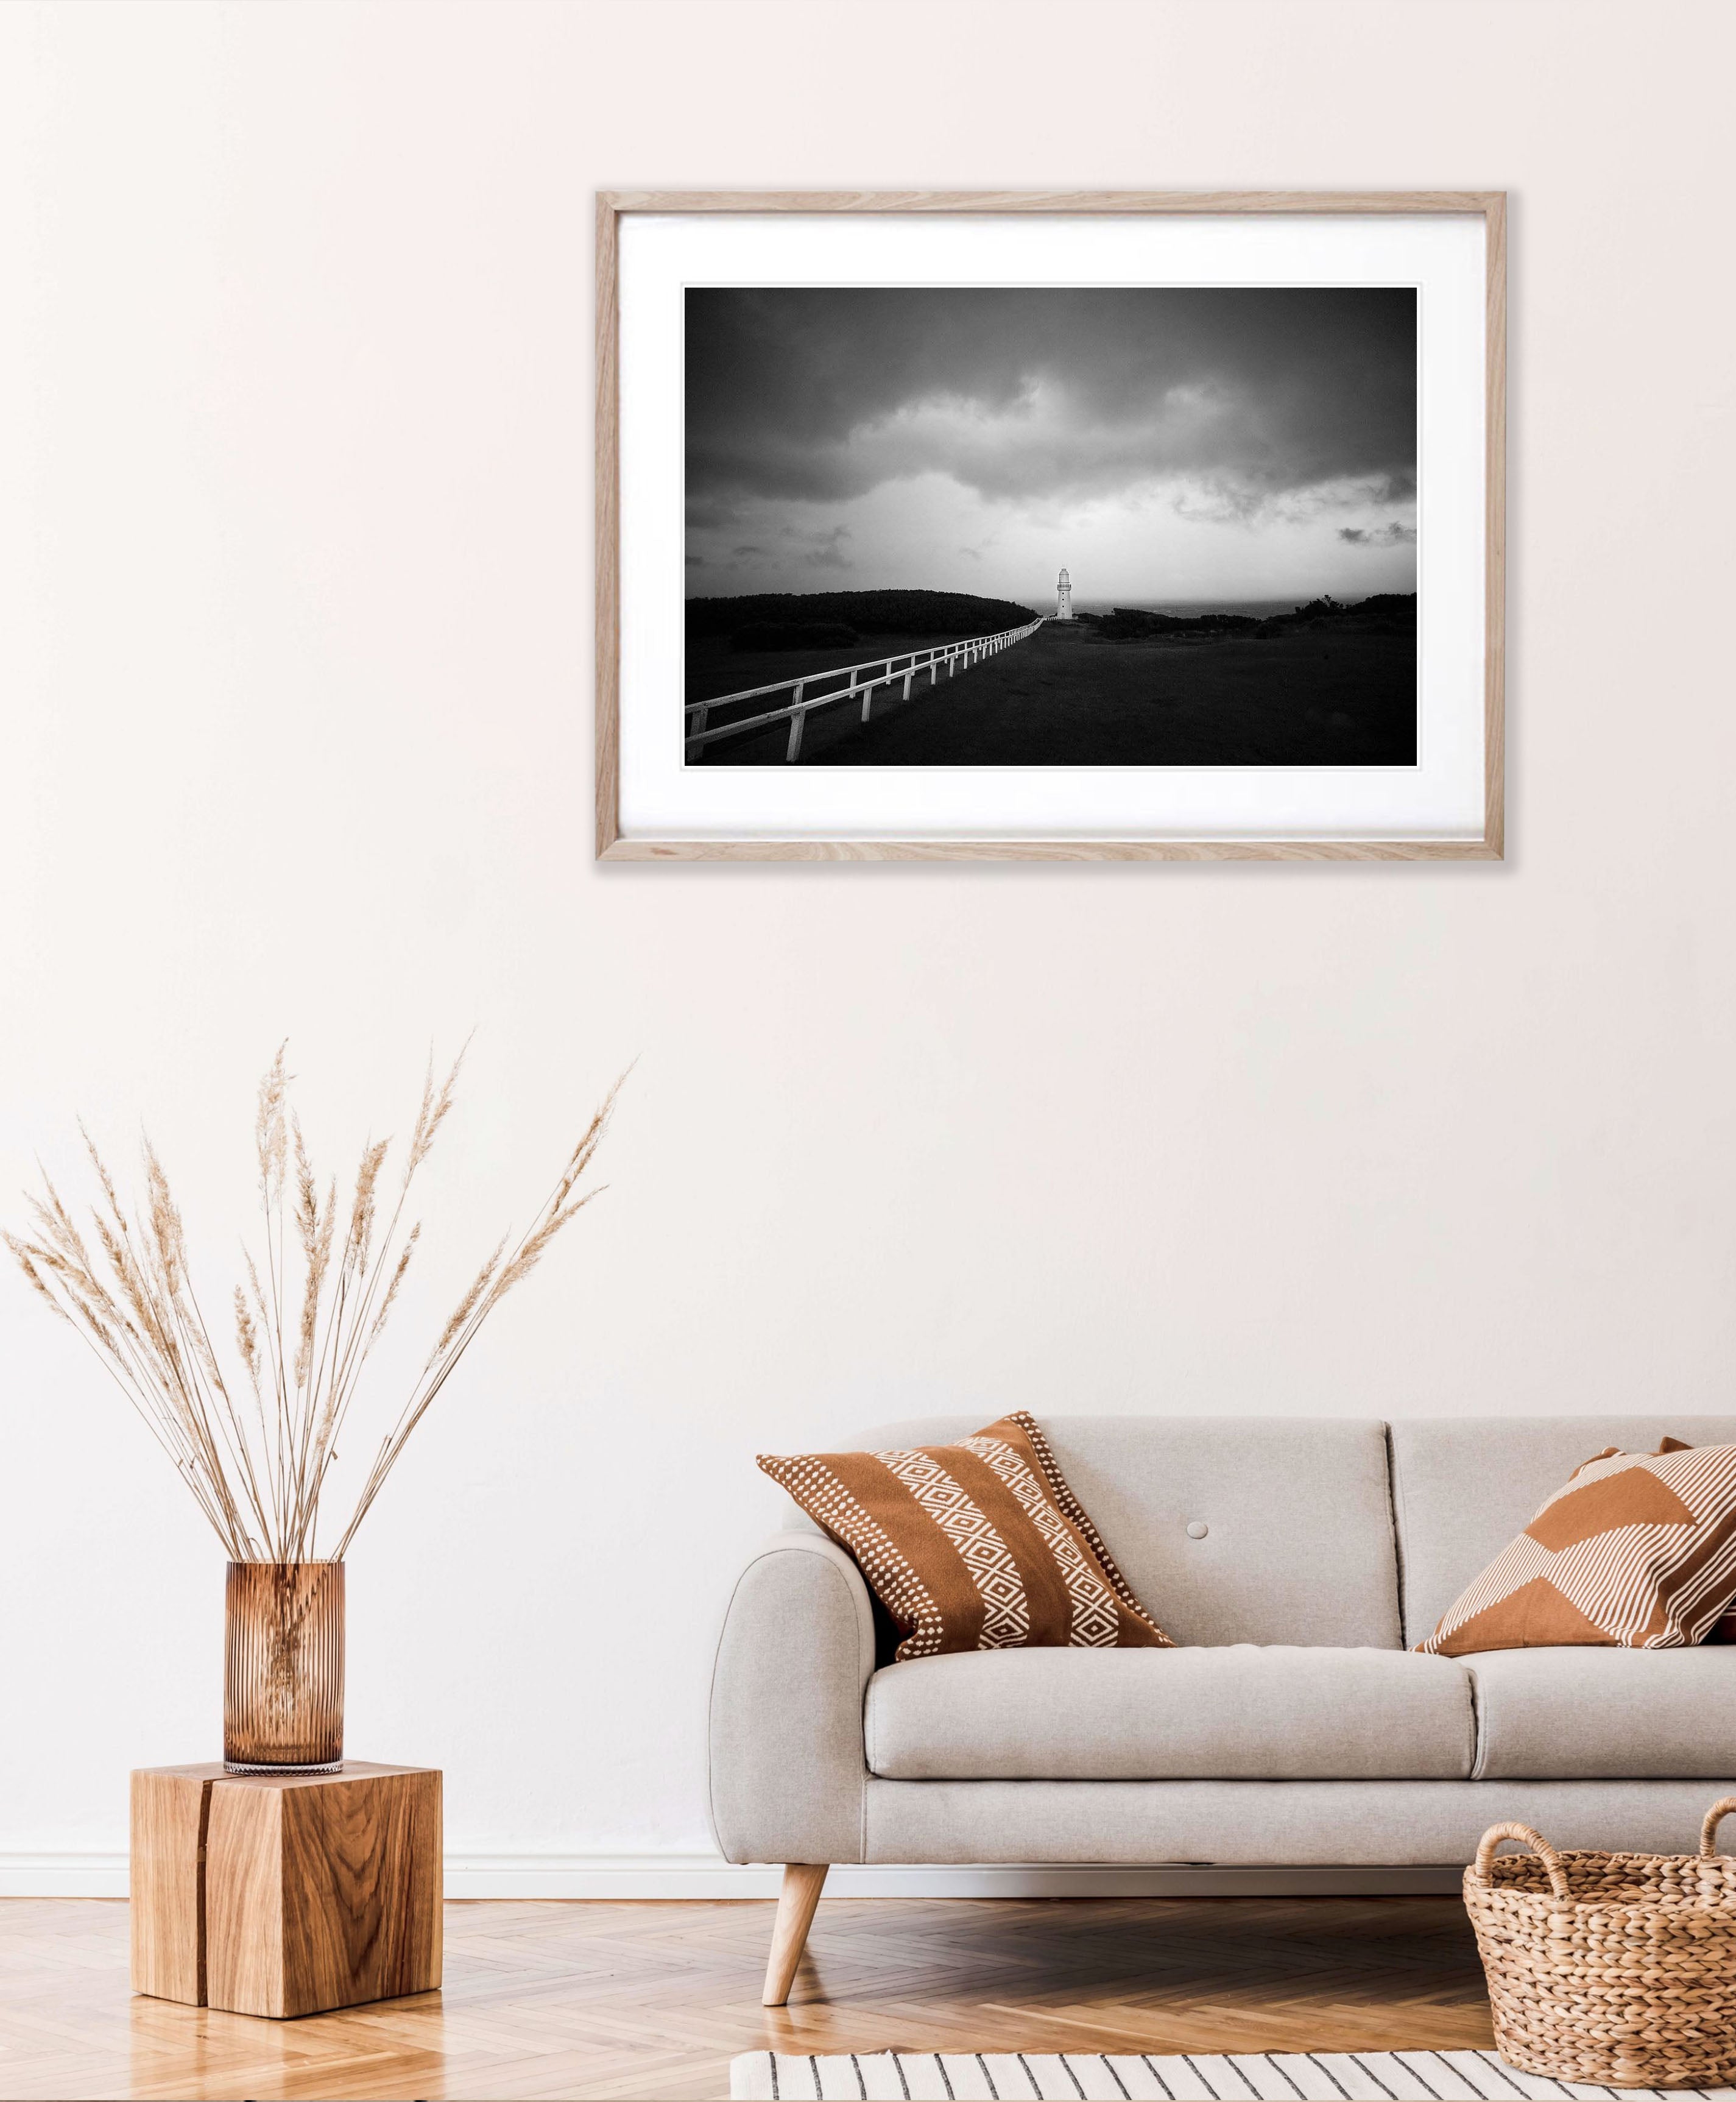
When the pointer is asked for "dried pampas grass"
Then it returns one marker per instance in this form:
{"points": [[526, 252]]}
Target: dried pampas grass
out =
{"points": [[256, 1456]]}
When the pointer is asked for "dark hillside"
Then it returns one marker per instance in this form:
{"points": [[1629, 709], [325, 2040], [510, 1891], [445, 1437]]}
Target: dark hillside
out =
{"points": [[867, 613]]}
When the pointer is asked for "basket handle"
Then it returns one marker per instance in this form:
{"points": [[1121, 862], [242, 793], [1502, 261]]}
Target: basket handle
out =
{"points": [[1541, 1848], [1709, 1830]]}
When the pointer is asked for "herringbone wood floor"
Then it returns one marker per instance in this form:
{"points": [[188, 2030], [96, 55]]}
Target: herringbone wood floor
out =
{"points": [[651, 1999]]}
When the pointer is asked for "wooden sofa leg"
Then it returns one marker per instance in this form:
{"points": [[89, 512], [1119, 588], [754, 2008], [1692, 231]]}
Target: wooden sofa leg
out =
{"points": [[803, 1884]]}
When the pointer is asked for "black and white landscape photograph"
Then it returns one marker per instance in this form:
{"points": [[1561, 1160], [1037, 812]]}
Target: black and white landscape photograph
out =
{"points": [[1082, 526]]}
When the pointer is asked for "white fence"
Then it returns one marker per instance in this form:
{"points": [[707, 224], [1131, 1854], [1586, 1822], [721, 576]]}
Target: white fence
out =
{"points": [[906, 667]]}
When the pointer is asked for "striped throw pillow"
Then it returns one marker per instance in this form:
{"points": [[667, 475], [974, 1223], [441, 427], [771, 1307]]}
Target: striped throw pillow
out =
{"points": [[1638, 1551], [977, 1545]]}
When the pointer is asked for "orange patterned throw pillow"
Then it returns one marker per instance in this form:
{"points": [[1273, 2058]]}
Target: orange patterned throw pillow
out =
{"points": [[977, 1545], [1637, 1552]]}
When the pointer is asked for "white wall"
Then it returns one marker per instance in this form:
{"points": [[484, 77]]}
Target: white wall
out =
{"points": [[294, 494]]}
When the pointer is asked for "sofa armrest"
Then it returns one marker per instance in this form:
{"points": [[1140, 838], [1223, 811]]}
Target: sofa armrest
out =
{"points": [[788, 1773]]}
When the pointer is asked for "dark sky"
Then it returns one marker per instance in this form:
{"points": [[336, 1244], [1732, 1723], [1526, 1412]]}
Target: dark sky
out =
{"points": [[1164, 443]]}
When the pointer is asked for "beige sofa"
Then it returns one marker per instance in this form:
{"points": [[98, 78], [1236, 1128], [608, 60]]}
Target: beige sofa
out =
{"points": [[1296, 1560]]}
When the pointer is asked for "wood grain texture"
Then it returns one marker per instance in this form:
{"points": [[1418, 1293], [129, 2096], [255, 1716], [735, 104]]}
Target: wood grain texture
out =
{"points": [[170, 1807], [803, 1884], [284, 1894], [1490, 206], [623, 850], [608, 529], [244, 1958], [644, 1999], [1494, 529], [322, 1890], [1075, 202]]}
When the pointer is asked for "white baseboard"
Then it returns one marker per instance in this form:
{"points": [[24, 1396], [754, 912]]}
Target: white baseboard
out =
{"points": [[95, 1875], [63, 1875]]}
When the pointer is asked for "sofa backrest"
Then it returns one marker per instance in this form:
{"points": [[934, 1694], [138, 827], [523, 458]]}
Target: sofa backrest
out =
{"points": [[1298, 1540], [1464, 1487]]}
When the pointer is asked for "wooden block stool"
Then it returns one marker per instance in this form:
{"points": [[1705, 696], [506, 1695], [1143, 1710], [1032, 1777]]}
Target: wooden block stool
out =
{"points": [[285, 1894]]}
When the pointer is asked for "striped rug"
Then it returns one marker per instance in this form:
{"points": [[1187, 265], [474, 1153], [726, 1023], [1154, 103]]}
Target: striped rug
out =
{"points": [[1312, 2075]]}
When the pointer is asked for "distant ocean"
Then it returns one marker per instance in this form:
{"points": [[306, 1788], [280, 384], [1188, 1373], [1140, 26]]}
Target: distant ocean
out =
{"points": [[1187, 608]]}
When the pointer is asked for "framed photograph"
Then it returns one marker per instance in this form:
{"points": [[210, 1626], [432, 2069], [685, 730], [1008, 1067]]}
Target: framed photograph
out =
{"points": [[1062, 526]]}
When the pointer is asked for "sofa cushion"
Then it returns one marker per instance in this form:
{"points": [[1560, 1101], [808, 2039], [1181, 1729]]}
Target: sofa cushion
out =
{"points": [[1235, 1528], [1172, 1715], [1464, 1487], [1604, 1714]]}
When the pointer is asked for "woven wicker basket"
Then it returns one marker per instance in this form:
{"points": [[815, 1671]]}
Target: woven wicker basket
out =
{"points": [[1617, 1969]]}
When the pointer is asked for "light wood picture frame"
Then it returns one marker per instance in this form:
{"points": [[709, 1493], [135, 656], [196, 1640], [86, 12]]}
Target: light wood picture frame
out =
{"points": [[1480, 836]]}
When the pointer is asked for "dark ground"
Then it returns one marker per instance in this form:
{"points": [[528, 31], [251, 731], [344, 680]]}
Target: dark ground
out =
{"points": [[1066, 697]]}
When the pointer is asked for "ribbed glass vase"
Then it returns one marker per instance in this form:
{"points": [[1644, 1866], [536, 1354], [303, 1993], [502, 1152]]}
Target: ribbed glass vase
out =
{"points": [[283, 1668]]}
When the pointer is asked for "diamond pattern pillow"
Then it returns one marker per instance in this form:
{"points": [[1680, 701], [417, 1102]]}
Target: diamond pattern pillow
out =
{"points": [[1638, 1551], [977, 1545]]}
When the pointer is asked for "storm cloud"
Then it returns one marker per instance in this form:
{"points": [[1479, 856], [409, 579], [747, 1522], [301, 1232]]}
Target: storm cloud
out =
{"points": [[1263, 409], [1255, 394], [1390, 535]]}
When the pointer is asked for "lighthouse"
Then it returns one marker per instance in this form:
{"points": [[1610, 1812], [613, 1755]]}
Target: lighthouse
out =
{"points": [[1064, 597]]}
